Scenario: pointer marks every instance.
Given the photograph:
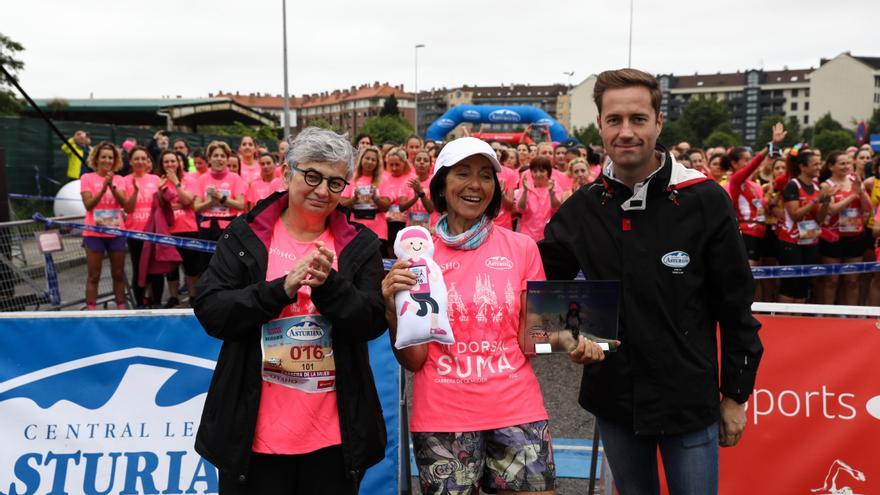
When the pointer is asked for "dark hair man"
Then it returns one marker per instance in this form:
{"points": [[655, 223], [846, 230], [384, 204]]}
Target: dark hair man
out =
{"points": [[671, 237]]}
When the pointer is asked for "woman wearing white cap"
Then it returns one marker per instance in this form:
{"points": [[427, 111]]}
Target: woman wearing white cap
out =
{"points": [[476, 401]]}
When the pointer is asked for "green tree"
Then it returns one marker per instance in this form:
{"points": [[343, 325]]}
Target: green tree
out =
{"points": [[765, 131], [702, 115], [674, 133], [387, 128], [237, 129], [389, 109], [829, 140], [826, 123], [721, 137], [587, 135], [9, 104], [324, 124], [874, 122]]}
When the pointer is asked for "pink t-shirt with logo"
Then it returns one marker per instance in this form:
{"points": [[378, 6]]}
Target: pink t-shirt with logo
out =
{"points": [[417, 214], [249, 173], [483, 381], [377, 224], [260, 189], [107, 213], [147, 187], [509, 179], [537, 212], [184, 216], [231, 186], [291, 421], [393, 188]]}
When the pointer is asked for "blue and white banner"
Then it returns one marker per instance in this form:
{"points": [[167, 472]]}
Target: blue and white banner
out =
{"points": [[109, 402]]}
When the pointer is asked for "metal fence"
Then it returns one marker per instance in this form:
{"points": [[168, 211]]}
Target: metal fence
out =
{"points": [[33, 281]]}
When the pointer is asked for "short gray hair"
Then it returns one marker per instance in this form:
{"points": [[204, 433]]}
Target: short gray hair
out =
{"points": [[315, 144]]}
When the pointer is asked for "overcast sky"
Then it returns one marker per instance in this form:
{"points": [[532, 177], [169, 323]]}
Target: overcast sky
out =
{"points": [[112, 49]]}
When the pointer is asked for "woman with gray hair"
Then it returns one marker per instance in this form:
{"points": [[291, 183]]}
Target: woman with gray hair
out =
{"points": [[293, 293]]}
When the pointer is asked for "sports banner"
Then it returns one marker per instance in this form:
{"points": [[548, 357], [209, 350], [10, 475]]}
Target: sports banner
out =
{"points": [[109, 402], [814, 418]]}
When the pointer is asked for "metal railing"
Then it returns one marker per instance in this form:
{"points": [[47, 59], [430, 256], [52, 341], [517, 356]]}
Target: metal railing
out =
{"points": [[33, 281]]}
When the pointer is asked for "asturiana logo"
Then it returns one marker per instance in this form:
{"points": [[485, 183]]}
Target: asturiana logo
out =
{"points": [[499, 263], [444, 122], [306, 330], [470, 114], [504, 115], [676, 259], [545, 121]]}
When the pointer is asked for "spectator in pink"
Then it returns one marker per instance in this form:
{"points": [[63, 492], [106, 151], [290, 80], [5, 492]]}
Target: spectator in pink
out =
{"points": [[140, 186], [395, 187], [267, 183], [173, 177], [413, 145], [509, 179], [249, 169], [362, 194], [219, 194], [419, 209], [103, 195], [579, 171], [537, 199]]}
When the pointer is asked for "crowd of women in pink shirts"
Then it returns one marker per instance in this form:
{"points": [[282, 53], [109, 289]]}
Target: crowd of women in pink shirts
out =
{"points": [[793, 206]]}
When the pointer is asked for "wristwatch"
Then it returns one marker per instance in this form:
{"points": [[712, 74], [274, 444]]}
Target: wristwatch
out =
{"points": [[422, 194]]}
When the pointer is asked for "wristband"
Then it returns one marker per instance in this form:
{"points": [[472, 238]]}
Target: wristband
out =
{"points": [[422, 194]]}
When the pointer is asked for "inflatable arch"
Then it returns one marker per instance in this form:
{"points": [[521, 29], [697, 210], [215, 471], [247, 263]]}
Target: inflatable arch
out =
{"points": [[488, 114]]}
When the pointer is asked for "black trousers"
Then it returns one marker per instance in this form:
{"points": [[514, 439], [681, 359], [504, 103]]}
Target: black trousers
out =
{"points": [[319, 472], [157, 282]]}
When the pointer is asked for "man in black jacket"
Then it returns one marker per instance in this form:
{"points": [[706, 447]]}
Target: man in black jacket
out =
{"points": [[670, 236]]}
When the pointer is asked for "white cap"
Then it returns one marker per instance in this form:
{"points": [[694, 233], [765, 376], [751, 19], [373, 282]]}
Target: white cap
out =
{"points": [[458, 150]]}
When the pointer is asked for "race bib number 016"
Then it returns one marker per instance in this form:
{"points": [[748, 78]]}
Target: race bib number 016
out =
{"points": [[298, 353]]}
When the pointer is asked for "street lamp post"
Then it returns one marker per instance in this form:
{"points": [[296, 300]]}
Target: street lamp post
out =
{"points": [[420, 45], [629, 60], [286, 96]]}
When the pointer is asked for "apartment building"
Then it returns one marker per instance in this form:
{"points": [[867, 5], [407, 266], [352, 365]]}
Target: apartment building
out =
{"points": [[346, 109], [846, 86]]}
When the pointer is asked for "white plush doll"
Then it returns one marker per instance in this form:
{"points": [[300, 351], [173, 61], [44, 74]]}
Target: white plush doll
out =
{"points": [[421, 311]]}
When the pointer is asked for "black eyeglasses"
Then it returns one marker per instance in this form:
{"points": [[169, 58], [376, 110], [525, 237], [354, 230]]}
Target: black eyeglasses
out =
{"points": [[315, 178]]}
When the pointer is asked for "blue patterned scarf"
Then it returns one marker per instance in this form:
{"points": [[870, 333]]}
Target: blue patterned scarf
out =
{"points": [[466, 241]]}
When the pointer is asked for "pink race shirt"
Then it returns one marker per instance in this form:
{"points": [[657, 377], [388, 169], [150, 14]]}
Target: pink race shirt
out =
{"points": [[563, 181], [231, 186], [360, 188], [107, 213], [249, 173], [417, 214], [509, 179], [537, 212], [147, 187], [184, 216], [393, 188], [260, 189], [483, 381], [291, 421]]}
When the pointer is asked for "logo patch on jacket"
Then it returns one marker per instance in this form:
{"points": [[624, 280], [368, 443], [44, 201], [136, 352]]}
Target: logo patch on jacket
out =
{"points": [[676, 260]]}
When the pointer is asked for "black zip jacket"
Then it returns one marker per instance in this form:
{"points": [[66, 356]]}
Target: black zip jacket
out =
{"points": [[681, 260], [234, 300]]}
